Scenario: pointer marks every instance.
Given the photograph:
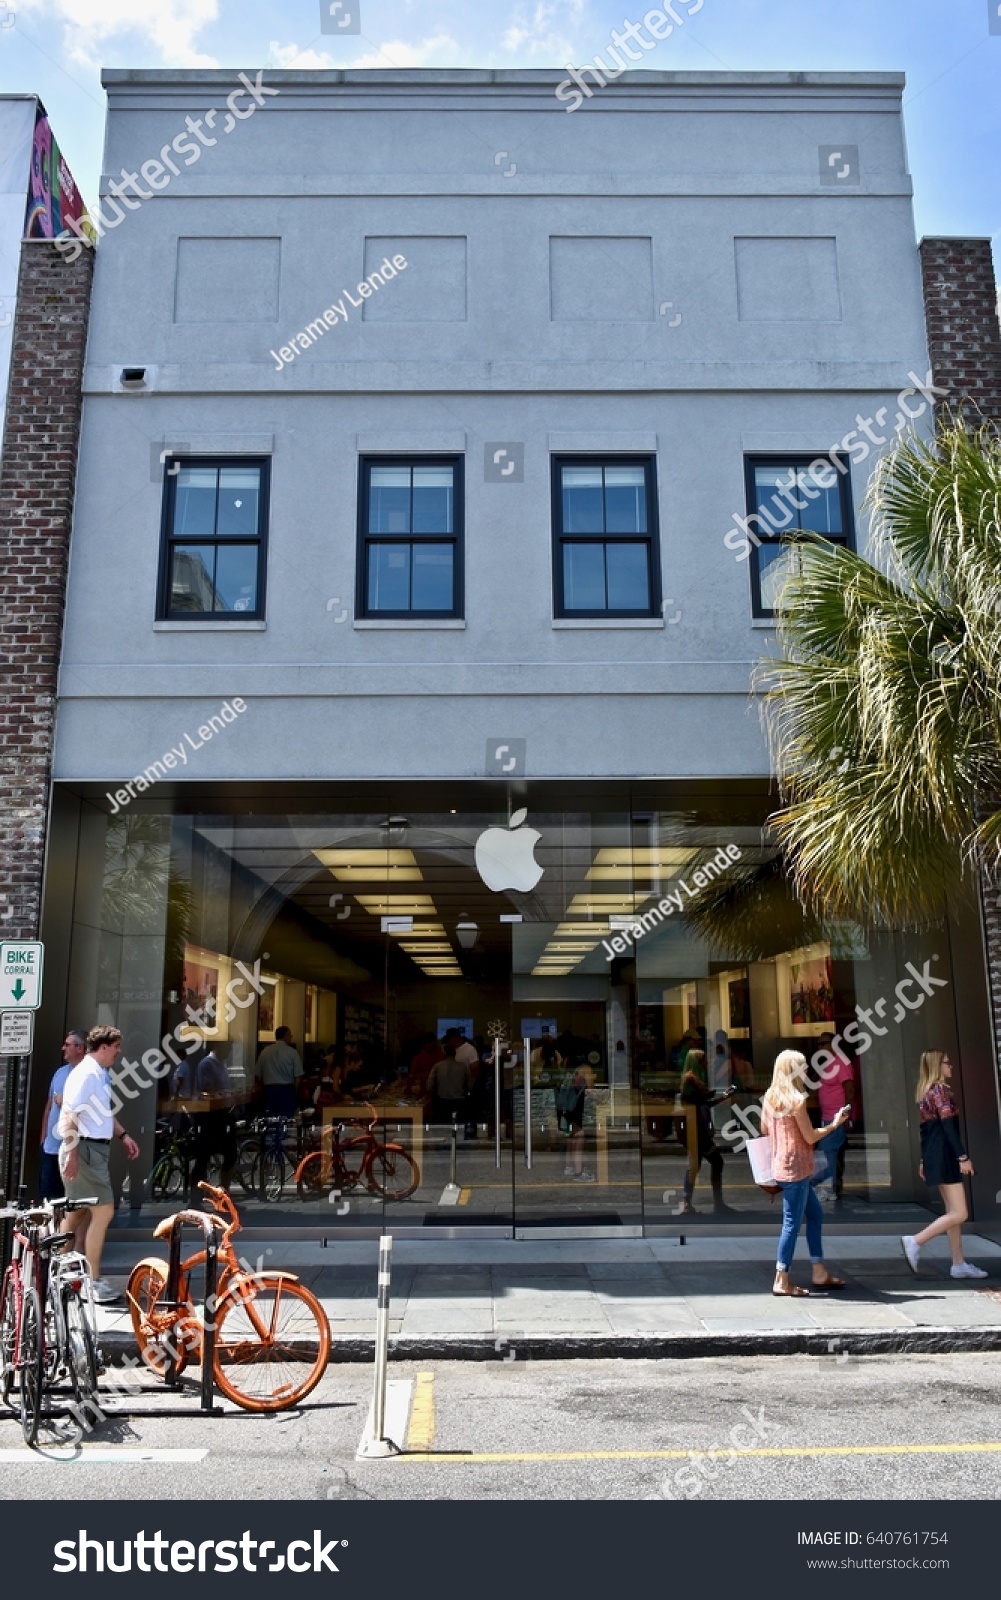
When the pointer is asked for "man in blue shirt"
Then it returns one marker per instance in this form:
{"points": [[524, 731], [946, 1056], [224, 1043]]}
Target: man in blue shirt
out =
{"points": [[50, 1184]]}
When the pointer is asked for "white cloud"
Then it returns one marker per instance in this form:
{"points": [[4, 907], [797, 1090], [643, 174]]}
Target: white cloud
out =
{"points": [[433, 52], [170, 26], [536, 35]]}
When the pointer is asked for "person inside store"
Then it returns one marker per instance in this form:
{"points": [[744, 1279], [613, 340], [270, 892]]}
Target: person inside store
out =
{"points": [[695, 1091], [426, 1057], [836, 1089], [50, 1184], [449, 1086], [279, 1066], [571, 1103], [212, 1116], [360, 1077]]}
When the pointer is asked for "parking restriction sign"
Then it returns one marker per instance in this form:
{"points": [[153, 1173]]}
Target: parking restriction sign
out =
{"points": [[17, 1029]]}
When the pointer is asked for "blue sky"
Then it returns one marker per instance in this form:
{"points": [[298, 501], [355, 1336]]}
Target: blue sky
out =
{"points": [[56, 48]]}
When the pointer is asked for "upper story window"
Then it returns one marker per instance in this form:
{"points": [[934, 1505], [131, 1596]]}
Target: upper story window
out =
{"points": [[786, 497], [605, 537], [214, 543], [410, 537]]}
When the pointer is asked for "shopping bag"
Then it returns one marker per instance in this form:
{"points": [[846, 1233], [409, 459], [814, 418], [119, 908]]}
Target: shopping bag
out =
{"points": [[759, 1153]]}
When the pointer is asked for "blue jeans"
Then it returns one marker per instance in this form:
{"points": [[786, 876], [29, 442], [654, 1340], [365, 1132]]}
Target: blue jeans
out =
{"points": [[825, 1156], [799, 1200]]}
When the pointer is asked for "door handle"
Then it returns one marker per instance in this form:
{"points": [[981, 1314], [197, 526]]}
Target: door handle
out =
{"points": [[497, 1104], [527, 1052]]}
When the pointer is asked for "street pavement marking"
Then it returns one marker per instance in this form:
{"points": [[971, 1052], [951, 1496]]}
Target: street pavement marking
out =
{"points": [[421, 1433], [88, 1455], [464, 1197], [683, 1455]]}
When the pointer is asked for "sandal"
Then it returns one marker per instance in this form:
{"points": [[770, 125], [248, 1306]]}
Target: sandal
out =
{"points": [[793, 1292], [830, 1282]]}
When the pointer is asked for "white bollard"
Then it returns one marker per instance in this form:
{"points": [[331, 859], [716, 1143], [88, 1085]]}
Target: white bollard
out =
{"points": [[375, 1445]]}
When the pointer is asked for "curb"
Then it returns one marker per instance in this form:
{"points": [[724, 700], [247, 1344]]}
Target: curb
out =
{"points": [[645, 1346]]}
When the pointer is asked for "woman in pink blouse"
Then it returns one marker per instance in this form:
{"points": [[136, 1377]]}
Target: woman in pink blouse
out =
{"points": [[792, 1137]]}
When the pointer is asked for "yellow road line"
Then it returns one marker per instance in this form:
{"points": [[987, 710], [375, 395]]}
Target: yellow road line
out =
{"points": [[464, 1197], [420, 1434], [682, 1455]]}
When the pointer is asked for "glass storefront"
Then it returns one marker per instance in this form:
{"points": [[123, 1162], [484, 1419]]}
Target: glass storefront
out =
{"points": [[597, 959]]}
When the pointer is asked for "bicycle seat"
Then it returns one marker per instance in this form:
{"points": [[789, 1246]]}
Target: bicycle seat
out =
{"points": [[51, 1240]]}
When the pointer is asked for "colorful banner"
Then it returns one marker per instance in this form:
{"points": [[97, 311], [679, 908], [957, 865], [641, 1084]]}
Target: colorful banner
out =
{"points": [[53, 197]]}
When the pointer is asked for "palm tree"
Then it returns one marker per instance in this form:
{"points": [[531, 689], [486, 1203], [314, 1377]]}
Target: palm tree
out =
{"points": [[883, 705]]}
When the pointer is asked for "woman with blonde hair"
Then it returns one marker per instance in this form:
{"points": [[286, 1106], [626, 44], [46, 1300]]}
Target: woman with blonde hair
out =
{"points": [[792, 1137], [943, 1163]]}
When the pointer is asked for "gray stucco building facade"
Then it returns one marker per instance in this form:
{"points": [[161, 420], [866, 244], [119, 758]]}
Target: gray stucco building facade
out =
{"points": [[426, 425]]}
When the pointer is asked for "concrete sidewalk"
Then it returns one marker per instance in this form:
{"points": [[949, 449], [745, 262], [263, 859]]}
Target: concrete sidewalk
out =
{"points": [[501, 1299]]}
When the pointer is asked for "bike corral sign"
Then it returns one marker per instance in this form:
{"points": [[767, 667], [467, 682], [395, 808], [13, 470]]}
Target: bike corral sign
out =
{"points": [[21, 975]]}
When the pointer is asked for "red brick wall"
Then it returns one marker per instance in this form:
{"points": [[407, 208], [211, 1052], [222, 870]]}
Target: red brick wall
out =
{"points": [[964, 341], [37, 478], [961, 315]]}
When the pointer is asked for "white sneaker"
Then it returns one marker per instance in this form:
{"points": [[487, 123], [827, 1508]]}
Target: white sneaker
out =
{"points": [[568, 1172], [825, 1194], [104, 1294], [912, 1250], [966, 1269], [586, 1177]]}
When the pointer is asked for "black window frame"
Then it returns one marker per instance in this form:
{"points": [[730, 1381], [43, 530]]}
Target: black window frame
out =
{"points": [[164, 611], [793, 458], [457, 538], [651, 537]]}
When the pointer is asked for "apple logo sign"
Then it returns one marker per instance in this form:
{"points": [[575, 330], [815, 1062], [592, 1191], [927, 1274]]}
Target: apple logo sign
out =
{"points": [[505, 857]]}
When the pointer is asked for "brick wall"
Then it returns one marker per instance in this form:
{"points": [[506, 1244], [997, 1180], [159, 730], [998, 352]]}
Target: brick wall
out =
{"points": [[961, 315], [37, 478], [964, 342]]}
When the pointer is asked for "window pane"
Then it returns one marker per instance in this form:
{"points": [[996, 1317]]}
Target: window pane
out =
{"points": [[625, 500], [191, 587], [775, 563], [236, 577], [627, 566], [433, 577], [822, 510], [432, 500], [389, 500], [583, 510], [770, 503], [239, 494], [389, 577], [194, 503], [584, 577]]}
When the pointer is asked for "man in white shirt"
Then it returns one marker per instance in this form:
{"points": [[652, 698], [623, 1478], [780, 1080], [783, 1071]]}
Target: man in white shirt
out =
{"points": [[87, 1126], [278, 1069]]}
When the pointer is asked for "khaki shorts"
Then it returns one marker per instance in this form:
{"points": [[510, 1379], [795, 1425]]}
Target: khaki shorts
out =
{"points": [[92, 1181]]}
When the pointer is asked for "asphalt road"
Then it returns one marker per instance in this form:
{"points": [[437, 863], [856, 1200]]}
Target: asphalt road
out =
{"points": [[785, 1428]]}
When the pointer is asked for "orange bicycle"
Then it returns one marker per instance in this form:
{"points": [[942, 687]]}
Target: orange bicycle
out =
{"points": [[382, 1168], [272, 1338]]}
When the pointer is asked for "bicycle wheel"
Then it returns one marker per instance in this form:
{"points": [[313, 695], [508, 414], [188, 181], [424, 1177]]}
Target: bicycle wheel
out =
{"points": [[268, 1175], [309, 1184], [55, 1330], [8, 1338], [167, 1180], [30, 1360], [247, 1153], [154, 1328], [393, 1173], [81, 1351], [272, 1343]]}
